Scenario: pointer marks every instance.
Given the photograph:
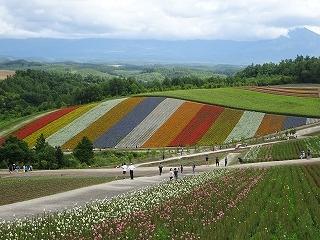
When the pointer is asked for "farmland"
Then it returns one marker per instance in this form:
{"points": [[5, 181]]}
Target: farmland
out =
{"points": [[200, 207], [249, 100], [153, 122], [289, 91], [284, 150], [16, 189], [5, 73]]}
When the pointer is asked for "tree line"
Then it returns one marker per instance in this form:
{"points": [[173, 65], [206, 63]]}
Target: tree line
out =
{"points": [[30, 91], [43, 156]]}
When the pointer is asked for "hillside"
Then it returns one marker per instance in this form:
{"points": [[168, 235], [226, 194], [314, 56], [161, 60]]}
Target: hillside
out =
{"points": [[150, 122], [249, 100], [164, 51]]}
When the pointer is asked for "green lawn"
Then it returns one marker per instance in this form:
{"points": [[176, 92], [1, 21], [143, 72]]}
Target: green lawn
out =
{"points": [[24, 188], [249, 100]]}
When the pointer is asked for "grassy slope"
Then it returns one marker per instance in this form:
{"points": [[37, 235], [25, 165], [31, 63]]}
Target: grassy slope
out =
{"points": [[25, 188], [249, 100]]}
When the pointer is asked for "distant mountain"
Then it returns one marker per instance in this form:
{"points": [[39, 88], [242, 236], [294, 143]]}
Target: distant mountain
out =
{"points": [[300, 41]]}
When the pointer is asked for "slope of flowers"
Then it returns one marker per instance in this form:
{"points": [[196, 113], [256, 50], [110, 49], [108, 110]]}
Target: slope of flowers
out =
{"points": [[66, 133], [183, 207], [41, 122], [198, 126], [246, 127], [112, 137], [103, 124], [222, 127], [293, 122], [54, 126], [140, 134], [289, 91], [175, 124], [270, 124]]}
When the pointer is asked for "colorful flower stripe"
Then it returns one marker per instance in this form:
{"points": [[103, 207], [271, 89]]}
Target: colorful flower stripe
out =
{"points": [[270, 124], [175, 124], [312, 120], [103, 124], [39, 123], [293, 122], [198, 126], [54, 126], [222, 127], [128, 123], [2, 140], [64, 134], [246, 127], [140, 134]]}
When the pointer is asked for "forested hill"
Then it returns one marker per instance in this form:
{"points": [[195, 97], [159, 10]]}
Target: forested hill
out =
{"points": [[30, 91], [301, 70]]}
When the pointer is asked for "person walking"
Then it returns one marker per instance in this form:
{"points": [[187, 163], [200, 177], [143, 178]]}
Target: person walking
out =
{"points": [[124, 169], [175, 172], [160, 168], [171, 174], [225, 161], [131, 168], [193, 168], [181, 168], [207, 159], [217, 162]]}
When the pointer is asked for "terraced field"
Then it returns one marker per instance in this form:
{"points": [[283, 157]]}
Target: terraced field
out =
{"points": [[153, 122], [289, 91]]}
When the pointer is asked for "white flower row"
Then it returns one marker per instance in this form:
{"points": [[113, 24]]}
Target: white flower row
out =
{"points": [[72, 129], [141, 133], [246, 127], [252, 154]]}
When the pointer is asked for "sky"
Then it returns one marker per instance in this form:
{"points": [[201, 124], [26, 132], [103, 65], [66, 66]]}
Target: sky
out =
{"points": [[157, 19]]}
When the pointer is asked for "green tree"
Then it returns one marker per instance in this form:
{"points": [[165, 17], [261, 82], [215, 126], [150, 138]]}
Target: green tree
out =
{"points": [[60, 157], [16, 151], [45, 154], [84, 151]]}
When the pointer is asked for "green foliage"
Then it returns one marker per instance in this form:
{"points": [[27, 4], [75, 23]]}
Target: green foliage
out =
{"points": [[249, 100], [84, 151], [302, 70], [15, 151]]}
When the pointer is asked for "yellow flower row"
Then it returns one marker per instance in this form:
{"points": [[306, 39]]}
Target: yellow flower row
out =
{"points": [[54, 126]]}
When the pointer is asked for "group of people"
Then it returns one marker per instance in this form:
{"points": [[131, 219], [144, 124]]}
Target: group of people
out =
{"points": [[173, 172], [125, 168], [16, 168], [306, 155]]}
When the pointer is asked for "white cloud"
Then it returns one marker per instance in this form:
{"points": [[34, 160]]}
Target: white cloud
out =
{"points": [[157, 19]]}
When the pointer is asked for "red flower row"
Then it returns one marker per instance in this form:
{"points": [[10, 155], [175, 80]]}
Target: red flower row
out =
{"points": [[198, 126], [41, 122]]}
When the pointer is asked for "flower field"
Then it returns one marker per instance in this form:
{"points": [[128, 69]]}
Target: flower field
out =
{"points": [[273, 203], [198, 126], [289, 91], [153, 122], [284, 150]]}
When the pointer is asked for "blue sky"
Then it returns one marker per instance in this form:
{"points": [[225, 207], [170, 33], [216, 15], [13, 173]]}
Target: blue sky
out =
{"points": [[156, 19]]}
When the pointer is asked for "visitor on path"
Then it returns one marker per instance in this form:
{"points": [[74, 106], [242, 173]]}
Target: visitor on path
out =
{"points": [[171, 174], [175, 171], [181, 168], [309, 154], [124, 169], [193, 168], [217, 162], [160, 169], [207, 159], [10, 168], [131, 168], [225, 161]]}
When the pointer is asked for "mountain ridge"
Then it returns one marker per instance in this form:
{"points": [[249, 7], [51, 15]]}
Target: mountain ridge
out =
{"points": [[299, 41]]}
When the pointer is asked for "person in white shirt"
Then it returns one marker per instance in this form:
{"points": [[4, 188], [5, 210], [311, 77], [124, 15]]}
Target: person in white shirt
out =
{"points": [[171, 174], [131, 168], [124, 169]]}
